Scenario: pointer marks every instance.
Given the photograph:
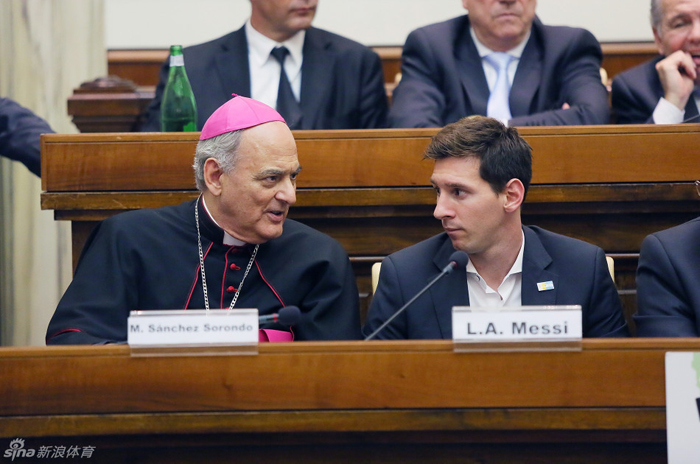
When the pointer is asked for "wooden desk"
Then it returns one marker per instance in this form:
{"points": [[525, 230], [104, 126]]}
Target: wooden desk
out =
{"points": [[609, 185], [346, 402]]}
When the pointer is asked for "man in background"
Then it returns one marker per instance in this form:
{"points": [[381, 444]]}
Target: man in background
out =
{"points": [[668, 294], [500, 61], [20, 131], [664, 90], [325, 82]]}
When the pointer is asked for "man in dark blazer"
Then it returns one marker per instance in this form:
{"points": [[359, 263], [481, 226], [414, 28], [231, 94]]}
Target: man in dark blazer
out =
{"points": [[342, 83], [20, 132], [555, 81], [668, 283], [481, 175], [664, 90]]}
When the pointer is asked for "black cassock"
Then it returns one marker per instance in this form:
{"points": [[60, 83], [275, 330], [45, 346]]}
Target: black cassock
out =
{"points": [[148, 259]]}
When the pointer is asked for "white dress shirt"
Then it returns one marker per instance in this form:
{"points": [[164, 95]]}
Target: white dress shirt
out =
{"points": [[491, 72], [668, 113], [265, 69]]}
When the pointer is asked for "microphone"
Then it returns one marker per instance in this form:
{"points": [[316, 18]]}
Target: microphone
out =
{"points": [[289, 315], [457, 259]]}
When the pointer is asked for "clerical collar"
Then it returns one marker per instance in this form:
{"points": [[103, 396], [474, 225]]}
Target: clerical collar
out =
{"points": [[483, 50], [228, 239]]}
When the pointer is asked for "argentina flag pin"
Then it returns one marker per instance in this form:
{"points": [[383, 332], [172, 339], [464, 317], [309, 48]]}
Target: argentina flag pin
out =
{"points": [[544, 286]]}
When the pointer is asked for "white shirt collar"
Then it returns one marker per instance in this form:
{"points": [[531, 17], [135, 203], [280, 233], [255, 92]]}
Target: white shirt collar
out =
{"points": [[260, 46], [228, 239], [483, 50]]}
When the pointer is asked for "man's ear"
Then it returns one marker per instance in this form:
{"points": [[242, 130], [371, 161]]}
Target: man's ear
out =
{"points": [[658, 41], [212, 176], [514, 195]]}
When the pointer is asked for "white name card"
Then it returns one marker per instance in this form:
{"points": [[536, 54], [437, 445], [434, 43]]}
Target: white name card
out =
{"points": [[683, 406], [521, 323], [193, 328]]}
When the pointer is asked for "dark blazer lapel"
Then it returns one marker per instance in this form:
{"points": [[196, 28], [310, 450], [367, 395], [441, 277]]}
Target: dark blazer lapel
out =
{"points": [[535, 263], [316, 78], [691, 110], [232, 65], [451, 290], [527, 76], [471, 73]]}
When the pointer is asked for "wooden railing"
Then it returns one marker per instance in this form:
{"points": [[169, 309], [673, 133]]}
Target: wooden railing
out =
{"points": [[408, 402], [608, 185]]}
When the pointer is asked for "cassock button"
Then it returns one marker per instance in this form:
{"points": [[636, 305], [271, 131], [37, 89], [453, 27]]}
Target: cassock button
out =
{"points": [[231, 289], [233, 267]]}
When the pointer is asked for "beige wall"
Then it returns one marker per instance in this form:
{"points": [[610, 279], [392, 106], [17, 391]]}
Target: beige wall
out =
{"points": [[188, 22]]}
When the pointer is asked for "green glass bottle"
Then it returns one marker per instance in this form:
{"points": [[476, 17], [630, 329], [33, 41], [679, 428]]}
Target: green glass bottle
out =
{"points": [[178, 110]]}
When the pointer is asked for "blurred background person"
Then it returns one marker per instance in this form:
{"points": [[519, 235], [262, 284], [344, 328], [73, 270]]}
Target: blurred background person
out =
{"points": [[664, 90], [325, 81], [500, 61]]}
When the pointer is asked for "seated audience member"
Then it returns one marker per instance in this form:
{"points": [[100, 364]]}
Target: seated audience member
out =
{"points": [[664, 90], [500, 61], [668, 283], [481, 175], [230, 247], [20, 130], [328, 81]]}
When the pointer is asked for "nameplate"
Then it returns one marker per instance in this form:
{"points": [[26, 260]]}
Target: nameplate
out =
{"points": [[193, 328], [683, 406], [516, 324]]}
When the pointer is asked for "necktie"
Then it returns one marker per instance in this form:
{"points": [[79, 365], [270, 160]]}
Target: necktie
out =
{"points": [[287, 104], [498, 106]]}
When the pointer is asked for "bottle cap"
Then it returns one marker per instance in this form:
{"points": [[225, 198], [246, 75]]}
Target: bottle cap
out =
{"points": [[236, 114]]}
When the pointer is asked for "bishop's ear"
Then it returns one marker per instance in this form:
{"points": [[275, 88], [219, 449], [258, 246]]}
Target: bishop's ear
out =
{"points": [[212, 176]]}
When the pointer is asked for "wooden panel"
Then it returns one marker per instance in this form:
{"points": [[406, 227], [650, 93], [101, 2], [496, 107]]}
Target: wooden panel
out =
{"points": [[620, 56], [391, 62], [373, 158], [327, 376], [139, 66], [344, 402]]}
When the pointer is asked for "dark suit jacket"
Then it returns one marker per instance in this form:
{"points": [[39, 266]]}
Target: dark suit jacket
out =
{"points": [[668, 283], [342, 85], [443, 79], [636, 92], [20, 132], [577, 269]]}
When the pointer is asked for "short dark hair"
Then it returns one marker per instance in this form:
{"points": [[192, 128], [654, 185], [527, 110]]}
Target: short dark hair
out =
{"points": [[502, 152]]}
